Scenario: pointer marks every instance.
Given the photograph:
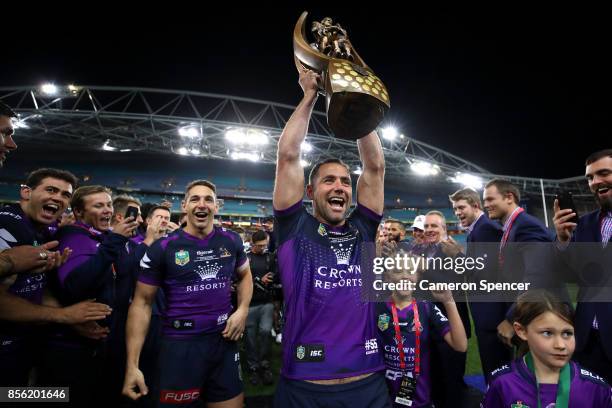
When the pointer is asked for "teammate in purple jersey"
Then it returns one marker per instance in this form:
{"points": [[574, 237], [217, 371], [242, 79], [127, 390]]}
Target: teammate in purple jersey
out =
{"points": [[330, 344], [195, 266], [431, 321], [545, 376], [44, 196]]}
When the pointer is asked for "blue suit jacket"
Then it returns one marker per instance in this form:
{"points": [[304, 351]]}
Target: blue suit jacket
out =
{"points": [[483, 241], [528, 256], [581, 263]]}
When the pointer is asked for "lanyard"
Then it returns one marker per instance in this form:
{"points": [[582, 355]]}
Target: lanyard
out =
{"points": [[400, 343], [504, 239], [563, 387]]}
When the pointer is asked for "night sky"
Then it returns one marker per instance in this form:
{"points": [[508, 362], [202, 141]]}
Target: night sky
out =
{"points": [[518, 91]]}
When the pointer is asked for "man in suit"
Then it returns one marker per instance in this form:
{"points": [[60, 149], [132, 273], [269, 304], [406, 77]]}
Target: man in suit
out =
{"points": [[592, 321], [483, 239], [524, 254], [446, 363]]}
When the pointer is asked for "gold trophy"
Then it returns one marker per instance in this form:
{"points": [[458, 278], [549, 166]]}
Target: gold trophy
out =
{"points": [[356, 100]]}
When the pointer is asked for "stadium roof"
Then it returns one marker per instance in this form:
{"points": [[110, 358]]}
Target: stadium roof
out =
{"points": [[217, 127]]}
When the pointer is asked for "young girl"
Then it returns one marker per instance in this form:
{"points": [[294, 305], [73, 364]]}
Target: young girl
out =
{"points": [[406, 326], [545, 376]]}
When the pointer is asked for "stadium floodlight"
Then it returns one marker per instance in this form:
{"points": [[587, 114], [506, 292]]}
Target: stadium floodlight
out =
{"points": [[304, 163], [468, 180], [73, 90], [49, 89], [195, 151], [190, 131], [257, 137], [254, 157], [389, 133], [306, 147], [107, 147], [235, 136], [424, 168], [125, 150], [182, 151], [251, 137], [358, 171]]}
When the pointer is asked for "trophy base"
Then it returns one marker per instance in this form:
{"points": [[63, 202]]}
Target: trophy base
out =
{"points": [[352, 115]]}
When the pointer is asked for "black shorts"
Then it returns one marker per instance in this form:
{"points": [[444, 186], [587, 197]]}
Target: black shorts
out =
{"points": [[205, 367], [370, 392]]}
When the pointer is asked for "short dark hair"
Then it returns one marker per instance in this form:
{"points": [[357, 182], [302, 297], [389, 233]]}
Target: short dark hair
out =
{"points": [[593, 157], [505, 187], [157, 207], [78, 198], [121, 203], [36, 177], [468, 194], [315, 170], [200, 182], [394, 221], [259, 235], [6, 110]]}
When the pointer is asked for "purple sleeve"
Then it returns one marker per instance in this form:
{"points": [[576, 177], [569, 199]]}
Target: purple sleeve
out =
{"points": [[288, 222], [366, 220], [90, 264], [438, 320], [82, 248], [151, 265], [493, 397], [241, 256]]}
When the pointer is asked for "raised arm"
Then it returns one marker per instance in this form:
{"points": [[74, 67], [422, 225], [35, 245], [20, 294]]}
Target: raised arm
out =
{"points": [[370, 186], [289, 183]]}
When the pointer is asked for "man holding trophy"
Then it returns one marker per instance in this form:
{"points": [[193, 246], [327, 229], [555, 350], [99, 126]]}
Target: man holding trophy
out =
{"points": [[331, 355]]}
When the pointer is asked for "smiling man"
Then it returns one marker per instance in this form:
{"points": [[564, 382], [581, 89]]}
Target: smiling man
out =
{"points": [[43, 198], [593, 327], [483, 236], [195, 266], [329, 357], [89, 273]]}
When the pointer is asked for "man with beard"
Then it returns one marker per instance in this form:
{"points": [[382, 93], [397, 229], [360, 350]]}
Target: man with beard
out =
{"points": [[91, 272], [592, 320], [396, 231], [331, 355], [195, 266], [44, 196]]}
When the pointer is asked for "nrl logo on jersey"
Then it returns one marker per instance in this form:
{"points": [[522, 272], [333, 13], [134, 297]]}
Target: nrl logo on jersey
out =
{"points": [[519, 404], [322, 230], [181, 258], [300, 352], [383, 322]]}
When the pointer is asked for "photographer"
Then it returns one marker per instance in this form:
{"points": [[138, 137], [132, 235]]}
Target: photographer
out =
{"points": [[261, 310]]}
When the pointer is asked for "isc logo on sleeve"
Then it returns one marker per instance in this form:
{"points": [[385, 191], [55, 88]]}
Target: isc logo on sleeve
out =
{"points": [[310, 353]]}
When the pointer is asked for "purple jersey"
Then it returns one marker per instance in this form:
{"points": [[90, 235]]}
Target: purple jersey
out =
{"points": [[514, 384], [17, 230], [196, 277], [431, 319], [330, 331]]}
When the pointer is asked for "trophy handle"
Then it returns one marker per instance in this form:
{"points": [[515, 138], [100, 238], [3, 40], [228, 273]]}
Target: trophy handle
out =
{"points": [[303, 51], [301, 66]]}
